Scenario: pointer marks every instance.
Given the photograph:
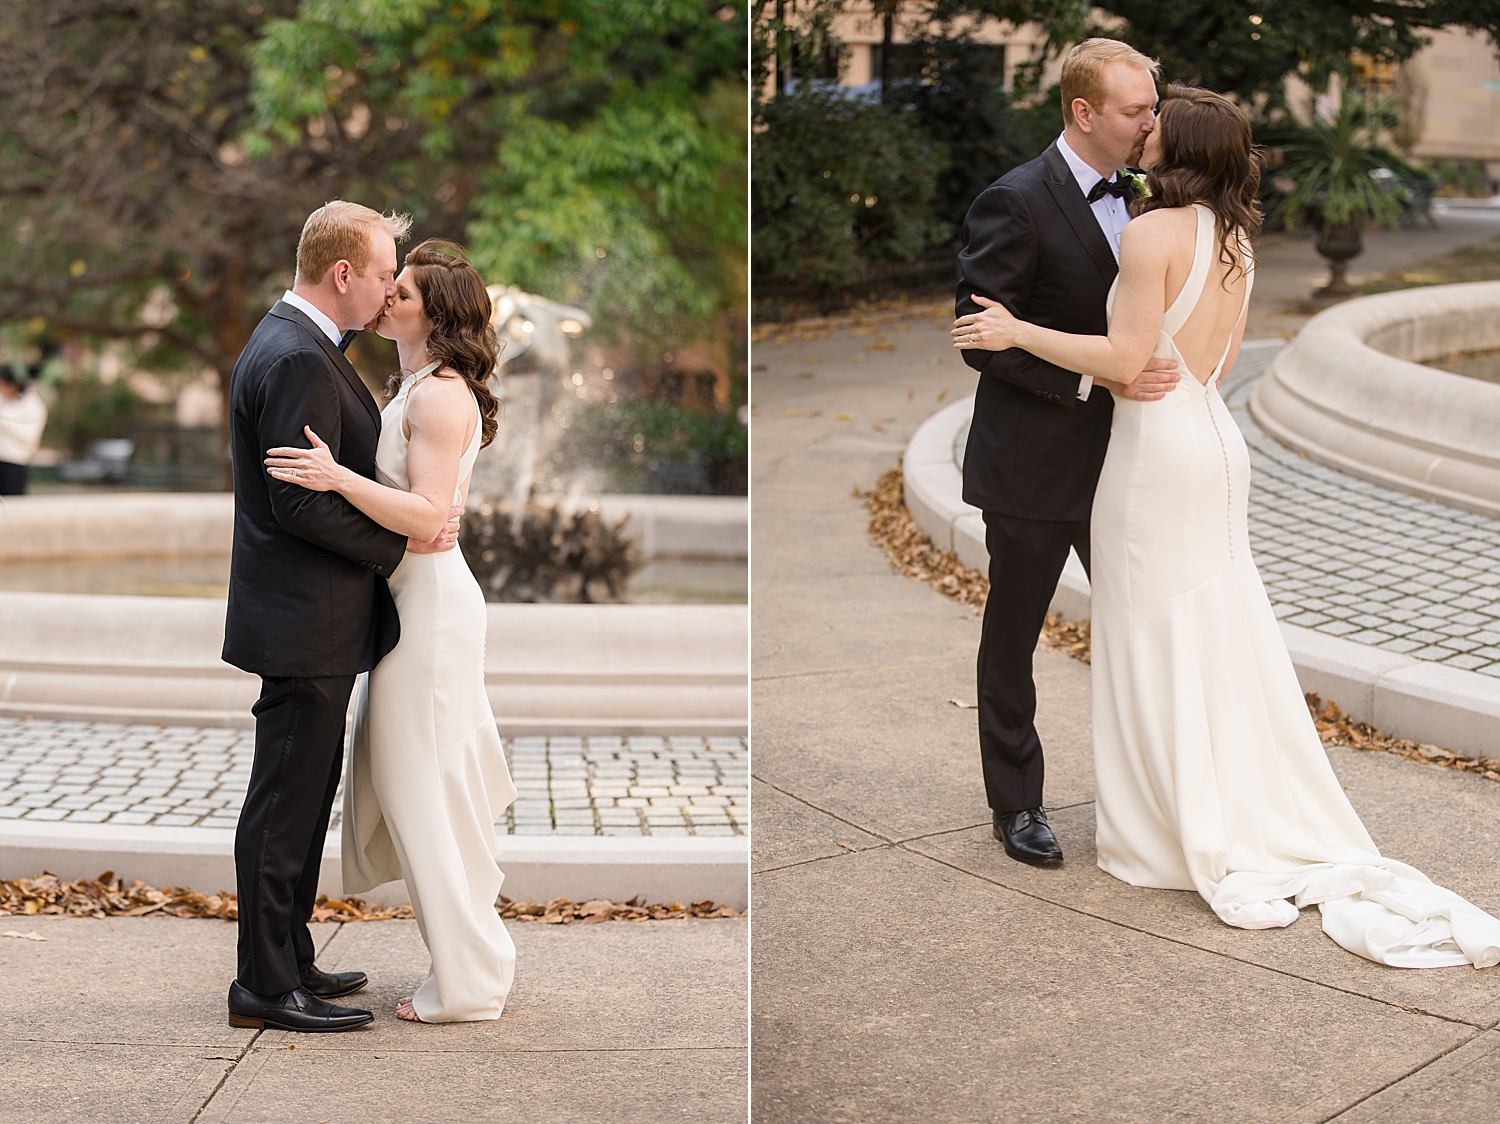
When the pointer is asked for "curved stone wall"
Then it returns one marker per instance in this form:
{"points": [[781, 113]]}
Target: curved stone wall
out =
{"points": [[1350, 392], [549, 669], [97, 525]]}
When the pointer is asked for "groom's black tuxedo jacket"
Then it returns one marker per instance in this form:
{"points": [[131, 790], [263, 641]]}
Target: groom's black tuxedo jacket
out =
{"points": [[307, 590], [1031, 242]]}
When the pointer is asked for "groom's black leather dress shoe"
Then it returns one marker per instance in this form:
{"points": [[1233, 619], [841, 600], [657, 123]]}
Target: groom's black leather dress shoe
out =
{"points": [[296, 1010], [331, 985], [1027, 837]]}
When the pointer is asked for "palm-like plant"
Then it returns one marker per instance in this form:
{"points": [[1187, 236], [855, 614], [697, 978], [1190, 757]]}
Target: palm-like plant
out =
{"points": [[1345, 178]]}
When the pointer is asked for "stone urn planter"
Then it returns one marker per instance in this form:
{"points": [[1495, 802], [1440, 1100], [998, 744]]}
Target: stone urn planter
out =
{"points": [[1339, 242]]}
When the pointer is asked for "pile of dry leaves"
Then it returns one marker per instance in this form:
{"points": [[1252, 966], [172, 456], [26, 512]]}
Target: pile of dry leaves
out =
{"points": [[560, 911], [910, 550], [107, 896], [1337, 728], [1071, 636], [912, 553]]}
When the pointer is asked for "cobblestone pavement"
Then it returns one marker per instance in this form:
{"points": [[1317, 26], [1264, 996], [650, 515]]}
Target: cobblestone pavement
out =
{"points": [[181, 776], [1359, 560], [1363, 562]]}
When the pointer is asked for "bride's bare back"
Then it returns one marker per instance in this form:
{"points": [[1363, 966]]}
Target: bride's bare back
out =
{"points": [[1156, 258]]}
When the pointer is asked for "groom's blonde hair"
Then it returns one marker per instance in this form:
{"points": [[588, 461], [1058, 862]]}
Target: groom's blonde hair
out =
{"points": [[342, 231], [1083, 71]]}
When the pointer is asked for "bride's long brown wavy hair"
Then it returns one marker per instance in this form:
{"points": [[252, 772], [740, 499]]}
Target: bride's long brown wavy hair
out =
{"points": [[457, 306], [1208, 156]]}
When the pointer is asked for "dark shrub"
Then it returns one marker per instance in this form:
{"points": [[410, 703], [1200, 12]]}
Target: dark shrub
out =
{"points": [[840, 180]]}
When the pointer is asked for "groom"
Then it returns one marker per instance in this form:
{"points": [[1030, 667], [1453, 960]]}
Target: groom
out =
{"points": [[1044, 240], [309, 608]]}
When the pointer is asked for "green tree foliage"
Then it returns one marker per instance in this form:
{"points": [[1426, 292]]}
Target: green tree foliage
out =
{"points": [[959, 101], [1248, 47], [840, 181], [158, 157], [594, 148], [95, 409], [811, 231], [127, 208]]}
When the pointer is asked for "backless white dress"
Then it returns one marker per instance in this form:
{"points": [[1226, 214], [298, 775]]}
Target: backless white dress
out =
{"points": [[1210, 773], [427, 775]]}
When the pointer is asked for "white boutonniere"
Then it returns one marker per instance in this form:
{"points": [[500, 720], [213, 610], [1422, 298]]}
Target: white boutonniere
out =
{"points": [[1138, 181]]}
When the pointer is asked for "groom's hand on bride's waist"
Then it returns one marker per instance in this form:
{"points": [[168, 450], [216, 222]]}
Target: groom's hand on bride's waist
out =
{"points": [[447, 539], [1157, 381]]}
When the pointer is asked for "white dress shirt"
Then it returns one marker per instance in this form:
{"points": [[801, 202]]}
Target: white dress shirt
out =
{"points": [[1110, 211], [315, 314], [23, 417]]}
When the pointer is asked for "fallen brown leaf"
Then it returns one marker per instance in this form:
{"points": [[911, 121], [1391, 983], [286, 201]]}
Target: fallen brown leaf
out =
{"points": [[99, 897], [911, 552], [1070, 636], [1337, 729]]}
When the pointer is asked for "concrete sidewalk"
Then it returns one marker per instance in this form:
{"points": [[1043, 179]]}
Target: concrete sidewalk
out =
{"points": [[122, 1021], [906, 969]]}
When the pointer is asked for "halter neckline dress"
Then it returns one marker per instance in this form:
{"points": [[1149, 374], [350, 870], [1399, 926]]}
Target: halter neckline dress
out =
{"points": [[427, 774], [1210, 774]]}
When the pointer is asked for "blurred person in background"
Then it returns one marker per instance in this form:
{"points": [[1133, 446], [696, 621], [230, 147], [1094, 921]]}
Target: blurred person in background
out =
{"points": [[23, 416]]}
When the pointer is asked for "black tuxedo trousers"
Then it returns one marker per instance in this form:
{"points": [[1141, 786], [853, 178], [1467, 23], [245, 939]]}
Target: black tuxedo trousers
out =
{"points": [[278, 848], [1026, 559], [1035, 449], [309, 609]]}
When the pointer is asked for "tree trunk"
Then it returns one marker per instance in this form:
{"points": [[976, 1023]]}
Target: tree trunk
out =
{"points": [[887, 32], [781, 47], [231, 327]]}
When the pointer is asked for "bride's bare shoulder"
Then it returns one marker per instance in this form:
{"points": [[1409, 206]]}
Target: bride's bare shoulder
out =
{"points": [[1159, 234], [446, 395], [1164, 220]]}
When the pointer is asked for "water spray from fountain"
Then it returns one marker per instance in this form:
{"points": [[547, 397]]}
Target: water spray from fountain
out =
{"points": [[535, 363]]}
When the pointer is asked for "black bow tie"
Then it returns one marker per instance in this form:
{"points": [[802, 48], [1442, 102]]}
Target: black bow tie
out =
{"points": [[1120, 187]]}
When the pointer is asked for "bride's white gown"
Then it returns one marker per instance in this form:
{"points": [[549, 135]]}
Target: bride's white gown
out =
{"points": [[427, 775], [1210, 773]]}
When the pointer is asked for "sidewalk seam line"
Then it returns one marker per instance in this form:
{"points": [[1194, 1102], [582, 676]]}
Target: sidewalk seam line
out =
{"points": [[223, 1077], [1198, 948], [886, 839], [820, 859], [832, 815], [1397, 1080]]}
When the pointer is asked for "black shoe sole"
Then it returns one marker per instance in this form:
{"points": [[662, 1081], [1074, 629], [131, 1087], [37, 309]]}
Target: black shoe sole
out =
{"points": [[1029, 860], [253, 1023], [325, 996]]}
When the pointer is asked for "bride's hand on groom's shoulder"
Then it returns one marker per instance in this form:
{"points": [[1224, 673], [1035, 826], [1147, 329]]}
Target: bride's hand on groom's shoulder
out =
{"points": [[993, 329], [313, 469]]}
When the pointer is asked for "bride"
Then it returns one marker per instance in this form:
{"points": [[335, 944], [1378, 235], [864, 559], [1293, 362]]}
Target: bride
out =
{"points": [[1210, 774], [427, 774]]}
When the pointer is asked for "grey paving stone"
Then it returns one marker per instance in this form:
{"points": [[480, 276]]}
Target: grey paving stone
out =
{"points": [[89, 773]]}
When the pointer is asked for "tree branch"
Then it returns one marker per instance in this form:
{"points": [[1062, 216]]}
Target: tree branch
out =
{"points": [[115, 331]]}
